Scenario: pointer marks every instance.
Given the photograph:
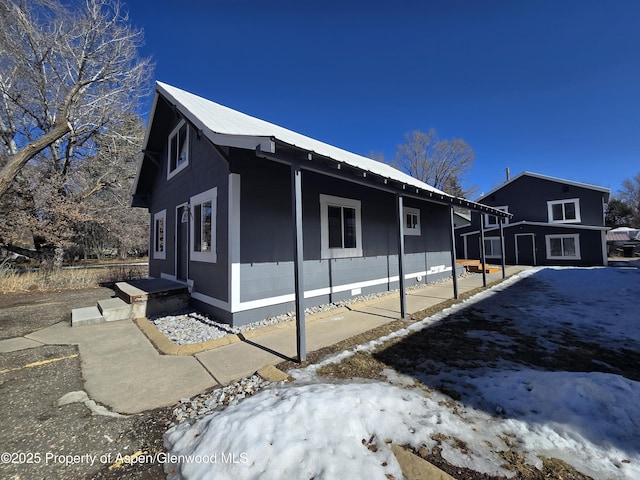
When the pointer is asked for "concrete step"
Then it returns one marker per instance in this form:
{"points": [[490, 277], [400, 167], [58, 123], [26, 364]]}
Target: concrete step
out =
{"points": [[114, 309], [487, 268], [86, 316], [153, 296]]}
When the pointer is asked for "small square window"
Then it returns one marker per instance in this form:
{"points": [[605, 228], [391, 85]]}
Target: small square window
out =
{"points": [[411, 221]]}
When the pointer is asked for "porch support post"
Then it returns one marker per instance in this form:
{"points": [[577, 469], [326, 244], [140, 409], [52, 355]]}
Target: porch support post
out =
{"points": [[454, 274], [502, 252], [483, 259], [298, 258], [403, 297]]}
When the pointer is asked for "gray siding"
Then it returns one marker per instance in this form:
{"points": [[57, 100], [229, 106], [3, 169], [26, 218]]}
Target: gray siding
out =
{"points": [[590, 244], [266, 253], [207, 169], [527, 199]]}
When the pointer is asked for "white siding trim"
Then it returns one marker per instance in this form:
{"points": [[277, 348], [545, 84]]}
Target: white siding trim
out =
{"points": [[238, 306], [233, 247]]}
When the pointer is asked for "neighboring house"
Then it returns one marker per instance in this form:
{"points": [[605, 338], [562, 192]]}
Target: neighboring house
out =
{"points": [[257, 219], [554, 222], [623, 241]]}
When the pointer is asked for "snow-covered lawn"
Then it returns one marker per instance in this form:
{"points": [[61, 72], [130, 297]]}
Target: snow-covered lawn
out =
{"points": [[545, 364]]}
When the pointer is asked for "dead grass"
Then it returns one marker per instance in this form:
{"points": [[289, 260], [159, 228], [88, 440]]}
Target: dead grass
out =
{"points": [[47, 280]]}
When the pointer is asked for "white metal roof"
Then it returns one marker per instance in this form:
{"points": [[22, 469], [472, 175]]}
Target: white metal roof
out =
{"points": [[228, 127]]}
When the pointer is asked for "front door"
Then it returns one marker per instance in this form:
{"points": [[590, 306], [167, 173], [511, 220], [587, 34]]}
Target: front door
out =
{"points": [[182, 242], [525, 249]]}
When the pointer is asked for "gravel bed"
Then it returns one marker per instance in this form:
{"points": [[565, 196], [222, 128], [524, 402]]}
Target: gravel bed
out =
{"points": [[191, 409], [190, 327]]}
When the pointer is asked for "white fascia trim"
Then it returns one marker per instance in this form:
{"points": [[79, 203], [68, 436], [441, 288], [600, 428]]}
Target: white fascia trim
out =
{"points": [[247, 142]]}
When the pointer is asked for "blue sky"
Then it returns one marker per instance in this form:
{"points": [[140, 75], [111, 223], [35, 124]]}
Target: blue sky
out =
{"points": [[551, 87]]}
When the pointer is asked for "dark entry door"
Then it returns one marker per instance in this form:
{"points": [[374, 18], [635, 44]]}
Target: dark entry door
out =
{"points": [[525, 249], [182, 242]]}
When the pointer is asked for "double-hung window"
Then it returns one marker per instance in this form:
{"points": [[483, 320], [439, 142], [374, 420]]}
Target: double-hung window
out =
{"points": [[341, 227], [411, 221], [178, 149], [564, 211], [159, 235], [563, 247], [203, 226]]}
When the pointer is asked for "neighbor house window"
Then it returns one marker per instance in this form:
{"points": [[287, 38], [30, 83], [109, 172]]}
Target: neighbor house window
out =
{"points": [[203, 226], [563, 247], [492, 247], [564, 211], [411, 221], [178, 149], [341, 227], [492, 220], [159, 235]]}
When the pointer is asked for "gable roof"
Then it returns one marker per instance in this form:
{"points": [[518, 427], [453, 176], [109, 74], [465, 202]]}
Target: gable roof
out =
{"points": [[227, 127], [604, 190]]}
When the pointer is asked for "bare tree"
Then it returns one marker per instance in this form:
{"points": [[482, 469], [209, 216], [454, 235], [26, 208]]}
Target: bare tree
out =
{"points": [[64, 77], [630, 194], [70, 82], [440, 163]]}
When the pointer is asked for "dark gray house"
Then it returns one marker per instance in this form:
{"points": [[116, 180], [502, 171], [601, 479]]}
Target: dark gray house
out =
{"points": [[554, 222], [258, 220]]}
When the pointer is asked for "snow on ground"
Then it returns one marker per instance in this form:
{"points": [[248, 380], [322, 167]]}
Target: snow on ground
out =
{"points": [[317, 428]]}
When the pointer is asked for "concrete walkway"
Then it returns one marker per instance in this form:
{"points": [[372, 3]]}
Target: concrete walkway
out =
{"points": [[125, 372]]}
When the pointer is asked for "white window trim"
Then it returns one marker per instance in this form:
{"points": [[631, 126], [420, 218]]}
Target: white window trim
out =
{"points": [[575, 236], [209, 195], [551, 203], [487, 216], [411, 231], [326, 252], [178, 169], [493, 239], [160, 254]]}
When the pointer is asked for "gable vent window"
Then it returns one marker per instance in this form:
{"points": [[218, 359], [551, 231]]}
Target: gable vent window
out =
{"points": [[564, 211], [341, 227], [178, 149]]}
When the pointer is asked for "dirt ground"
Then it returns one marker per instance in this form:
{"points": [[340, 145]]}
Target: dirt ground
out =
{"points": [[41, 437]]}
